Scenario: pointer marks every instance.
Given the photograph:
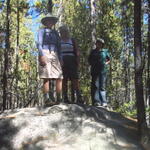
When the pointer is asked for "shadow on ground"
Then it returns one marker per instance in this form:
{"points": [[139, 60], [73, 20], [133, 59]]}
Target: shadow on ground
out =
{"points": [[72, 127]]}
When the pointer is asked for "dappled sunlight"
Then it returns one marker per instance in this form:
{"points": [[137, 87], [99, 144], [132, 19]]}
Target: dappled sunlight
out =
{"points": [[70, 126]]}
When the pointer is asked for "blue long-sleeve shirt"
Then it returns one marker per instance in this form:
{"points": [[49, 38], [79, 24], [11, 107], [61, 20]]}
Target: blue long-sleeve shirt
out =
{"points": [[49, 39]]}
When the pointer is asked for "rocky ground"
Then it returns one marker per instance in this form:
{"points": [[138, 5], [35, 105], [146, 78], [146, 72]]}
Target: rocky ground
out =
{"points": [[67, 127]]}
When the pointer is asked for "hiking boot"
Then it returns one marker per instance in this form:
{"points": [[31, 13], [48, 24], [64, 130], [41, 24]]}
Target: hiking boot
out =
{"points": [[59, 99], [79, 97], [97, 104], [73, 97], [80, 100], [51, 97], [65, 98], [104, 104], [47, 100]]}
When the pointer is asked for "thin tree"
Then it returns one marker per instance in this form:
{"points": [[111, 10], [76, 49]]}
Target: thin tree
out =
{"points": [[139, 69], [17, 46], [7, 45], [126, 48], [60, 12], [93, 20], [50, 6], [148, 64]]}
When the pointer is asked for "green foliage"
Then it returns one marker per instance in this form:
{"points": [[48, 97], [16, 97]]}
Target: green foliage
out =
{"points": [[128, 109], [22, 71], [148, 109]]}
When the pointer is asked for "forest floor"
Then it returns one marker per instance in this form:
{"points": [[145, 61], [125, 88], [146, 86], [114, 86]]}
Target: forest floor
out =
{"points": [[67, 127]]}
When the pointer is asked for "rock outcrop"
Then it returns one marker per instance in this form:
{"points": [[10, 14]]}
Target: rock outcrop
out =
{"points": [[67, 127]]}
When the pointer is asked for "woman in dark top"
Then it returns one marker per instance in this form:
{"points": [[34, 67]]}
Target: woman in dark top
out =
{"points": [[70, 56]]}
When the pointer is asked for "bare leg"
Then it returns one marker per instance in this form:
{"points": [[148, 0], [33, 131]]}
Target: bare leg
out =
{"points": [[46, 86], [65, 90], [75, 83], [58, 85], [72, 92], [46, 90], [65, 86], [58, 89], [76, 90]]}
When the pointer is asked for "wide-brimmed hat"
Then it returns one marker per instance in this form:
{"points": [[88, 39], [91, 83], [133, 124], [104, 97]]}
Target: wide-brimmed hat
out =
{"points": [[49, 17], [100, 40]]}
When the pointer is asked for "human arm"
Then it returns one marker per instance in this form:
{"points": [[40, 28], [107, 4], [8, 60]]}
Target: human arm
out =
{"points": [[58, 45], [40, 41], [42, 59], [76, 51], [107, 58]]}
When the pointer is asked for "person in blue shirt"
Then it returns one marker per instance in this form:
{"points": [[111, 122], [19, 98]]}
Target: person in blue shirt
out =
{"points": [[99, 59], [50, 58]]}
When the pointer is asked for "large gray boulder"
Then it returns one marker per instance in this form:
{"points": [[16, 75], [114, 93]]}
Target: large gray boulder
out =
{"points": [[67, 127]]}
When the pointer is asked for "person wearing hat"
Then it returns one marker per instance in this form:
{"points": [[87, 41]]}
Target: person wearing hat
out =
{"points": [[50, 58], [98, 60], [70, 55]]}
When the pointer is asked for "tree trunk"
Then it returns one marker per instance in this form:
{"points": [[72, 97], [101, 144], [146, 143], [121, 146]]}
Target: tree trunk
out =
{"points": [[139, 69], [148, 63], [17, 47], [7, 42], [93, 21], [60, 13], [50, 6]]}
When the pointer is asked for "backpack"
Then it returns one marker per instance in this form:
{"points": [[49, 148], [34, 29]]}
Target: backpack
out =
{"points": [[51, 37]]}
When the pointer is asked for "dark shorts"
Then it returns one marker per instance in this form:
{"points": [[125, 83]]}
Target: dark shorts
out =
{"points": [[70, 68]]}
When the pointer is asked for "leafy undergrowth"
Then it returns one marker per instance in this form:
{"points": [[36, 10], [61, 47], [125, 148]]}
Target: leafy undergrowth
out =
{"points": [[128, 109]]}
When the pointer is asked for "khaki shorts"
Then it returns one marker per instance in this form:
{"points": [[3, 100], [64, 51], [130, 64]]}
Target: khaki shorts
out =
{"points": [[52, 69]]}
